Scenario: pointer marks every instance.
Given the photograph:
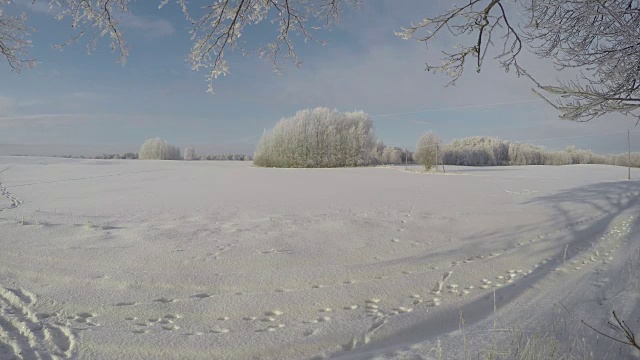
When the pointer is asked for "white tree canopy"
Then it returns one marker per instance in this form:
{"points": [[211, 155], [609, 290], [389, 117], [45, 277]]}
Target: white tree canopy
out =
{"points": [[597, 37], [318, 137]]}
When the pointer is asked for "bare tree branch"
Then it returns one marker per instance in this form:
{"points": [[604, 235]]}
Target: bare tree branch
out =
{"points": [[620, 327]]}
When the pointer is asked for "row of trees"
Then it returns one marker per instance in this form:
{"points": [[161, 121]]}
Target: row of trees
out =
{"points": [[390, 155], [328, 138], [235, 157], [128, 155], [158, 149], [488, 151], [190, 154], [471, 151]]}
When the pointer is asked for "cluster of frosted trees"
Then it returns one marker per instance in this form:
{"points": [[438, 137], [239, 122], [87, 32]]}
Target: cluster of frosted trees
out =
{"points": [[158, 149], [387, 155], [478, 151], [318, 137], [487, 151]]}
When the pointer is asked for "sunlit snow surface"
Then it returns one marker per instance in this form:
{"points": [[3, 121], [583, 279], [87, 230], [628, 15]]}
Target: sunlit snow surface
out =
{"points": [[104, 259]]}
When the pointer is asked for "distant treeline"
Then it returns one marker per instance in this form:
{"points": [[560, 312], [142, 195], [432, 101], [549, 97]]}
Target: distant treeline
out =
{"points": [[133, 156], [322, 137], [234, 157], [487, 151], [391, 155], [103, 156]]}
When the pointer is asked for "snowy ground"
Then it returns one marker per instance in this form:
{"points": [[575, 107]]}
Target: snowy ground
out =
{"points": [[105, 259]]}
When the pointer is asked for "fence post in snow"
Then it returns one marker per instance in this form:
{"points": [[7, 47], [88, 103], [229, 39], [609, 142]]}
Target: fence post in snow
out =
{"points": [[406, 158], [629, 157], [436, 156]]}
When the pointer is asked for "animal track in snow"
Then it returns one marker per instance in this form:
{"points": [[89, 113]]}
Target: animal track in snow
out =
{"points": [[126, 303], [14, 202], [164, 300], [84, 318], [201, 296]]}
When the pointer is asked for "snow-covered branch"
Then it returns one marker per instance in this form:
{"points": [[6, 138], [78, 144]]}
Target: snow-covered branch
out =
{"points": [[14, 40], [599, 38]]}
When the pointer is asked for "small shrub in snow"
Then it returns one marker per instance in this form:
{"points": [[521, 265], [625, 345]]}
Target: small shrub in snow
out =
{"points": [[158, 149], [318, 138], [426, 150]]}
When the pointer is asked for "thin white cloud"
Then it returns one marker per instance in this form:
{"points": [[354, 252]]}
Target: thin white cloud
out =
{"points": [[31, 103], [7, 105], [420, 122], [84, 96], [46, 120], [461, 107], [152, 28]]}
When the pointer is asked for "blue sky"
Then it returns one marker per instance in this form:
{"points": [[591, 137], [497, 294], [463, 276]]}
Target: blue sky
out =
{"points": [[72, 98]]}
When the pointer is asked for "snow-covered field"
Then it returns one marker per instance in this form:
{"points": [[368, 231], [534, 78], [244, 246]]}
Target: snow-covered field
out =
{"points": [[122, 259]]}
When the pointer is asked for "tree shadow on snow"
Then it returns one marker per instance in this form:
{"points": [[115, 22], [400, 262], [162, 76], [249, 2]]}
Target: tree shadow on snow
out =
{"points": [[607, 200]]}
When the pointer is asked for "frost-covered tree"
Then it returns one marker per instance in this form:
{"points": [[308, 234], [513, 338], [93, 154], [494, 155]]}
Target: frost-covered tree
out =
{"points": [[190, 154], [390, 154], [14, 39], [557, 158], [426, 150], [487, 151], [597, 37], [395, 157], [215, 28], [476, 151], [525, 154], [158, 149], [579, 156], [318, 137]]}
